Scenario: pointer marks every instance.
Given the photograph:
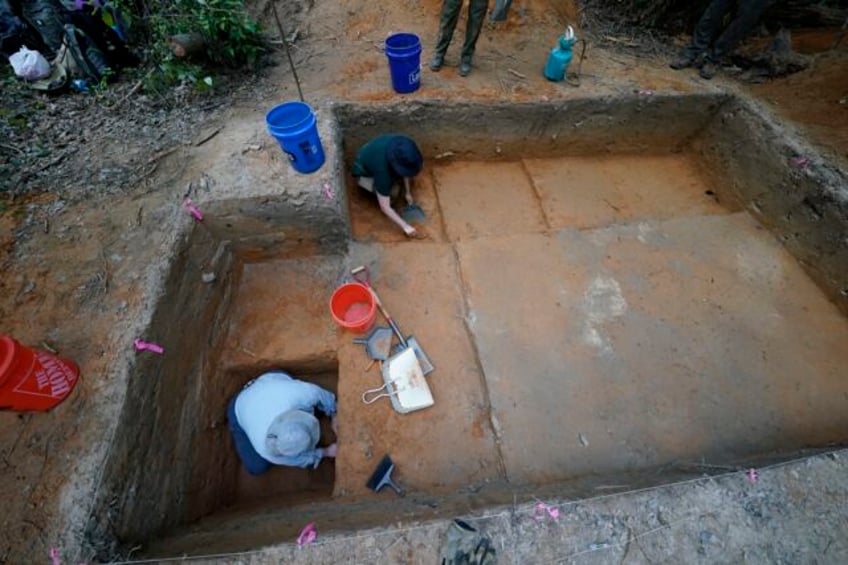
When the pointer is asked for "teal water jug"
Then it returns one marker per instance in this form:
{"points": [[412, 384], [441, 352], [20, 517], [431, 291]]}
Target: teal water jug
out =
{"points": [[560, 56]]}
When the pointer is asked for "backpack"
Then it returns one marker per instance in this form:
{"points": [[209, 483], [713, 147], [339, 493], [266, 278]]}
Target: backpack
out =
{"points": [[464, 545]]}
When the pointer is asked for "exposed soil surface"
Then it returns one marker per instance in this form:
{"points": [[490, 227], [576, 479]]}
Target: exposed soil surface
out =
{"points": [[655, 288], [679, 318], [76, 244]]}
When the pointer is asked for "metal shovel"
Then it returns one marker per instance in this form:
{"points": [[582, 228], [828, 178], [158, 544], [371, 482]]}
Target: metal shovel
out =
{"points": [[360, 274]]}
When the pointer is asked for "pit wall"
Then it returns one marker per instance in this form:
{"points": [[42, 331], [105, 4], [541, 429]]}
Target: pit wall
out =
{"points": [[271, 212], [343, 524], [760, 164], [268, 210], [148, 467], [632, 124]]}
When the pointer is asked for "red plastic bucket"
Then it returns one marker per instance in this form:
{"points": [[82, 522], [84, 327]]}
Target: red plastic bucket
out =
{"points": [[31, 379], [353, 307]]}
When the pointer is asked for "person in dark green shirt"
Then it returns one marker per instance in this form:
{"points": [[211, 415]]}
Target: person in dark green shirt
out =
{"points": [[383, 162]]}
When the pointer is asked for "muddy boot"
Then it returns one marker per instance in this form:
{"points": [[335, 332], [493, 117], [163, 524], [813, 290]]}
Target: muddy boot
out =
{"points": [[708, 70], [684, 61], [465, 68], [437, 63]]}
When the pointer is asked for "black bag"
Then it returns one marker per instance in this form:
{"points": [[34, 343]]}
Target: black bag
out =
{"points": [[15, 33], [47, 17]]}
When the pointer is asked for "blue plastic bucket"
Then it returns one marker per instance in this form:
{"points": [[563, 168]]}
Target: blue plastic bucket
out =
{"points": [[293, 126], [404, 53]]}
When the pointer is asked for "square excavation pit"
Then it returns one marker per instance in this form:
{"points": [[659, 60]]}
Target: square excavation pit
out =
{"points": [[603, 305]]}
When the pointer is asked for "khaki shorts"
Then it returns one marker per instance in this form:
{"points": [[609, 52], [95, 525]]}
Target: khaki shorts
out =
{"points": [[367, 183]]}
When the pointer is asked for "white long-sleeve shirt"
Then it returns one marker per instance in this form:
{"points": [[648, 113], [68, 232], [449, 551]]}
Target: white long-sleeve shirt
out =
{"points": [[269, 396]]}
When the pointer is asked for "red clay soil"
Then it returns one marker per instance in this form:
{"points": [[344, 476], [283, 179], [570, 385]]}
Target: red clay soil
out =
{"points": [[643, 325], [71, 272]]}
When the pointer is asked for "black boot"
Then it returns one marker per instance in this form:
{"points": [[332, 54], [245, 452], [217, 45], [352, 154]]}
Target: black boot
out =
{"points": [[437, 63], [465, 68]]}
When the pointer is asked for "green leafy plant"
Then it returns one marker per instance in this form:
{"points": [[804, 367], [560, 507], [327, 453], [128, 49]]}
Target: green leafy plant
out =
{"points": [[171, 71], [103, 84], [232, 37]]}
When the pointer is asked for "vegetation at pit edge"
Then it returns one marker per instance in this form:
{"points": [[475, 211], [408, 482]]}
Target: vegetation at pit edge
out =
{"points": [[233, 38]]}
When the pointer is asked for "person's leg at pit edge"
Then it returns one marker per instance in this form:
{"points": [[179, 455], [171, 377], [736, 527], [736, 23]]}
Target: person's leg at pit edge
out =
{"points": [[747, 15], [447, 25], [476, 17], [706, 31]]}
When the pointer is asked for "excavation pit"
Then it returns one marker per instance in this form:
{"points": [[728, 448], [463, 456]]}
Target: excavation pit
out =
{"points": [[611, 291]]}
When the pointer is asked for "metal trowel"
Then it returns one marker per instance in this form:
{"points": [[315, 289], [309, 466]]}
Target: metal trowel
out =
{"points": [[413, 214]]}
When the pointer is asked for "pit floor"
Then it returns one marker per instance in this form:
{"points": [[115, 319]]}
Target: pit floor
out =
{"points": [[585, 315]]}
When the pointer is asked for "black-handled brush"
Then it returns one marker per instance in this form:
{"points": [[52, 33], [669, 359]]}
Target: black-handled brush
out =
{"points": [[382, 476]]}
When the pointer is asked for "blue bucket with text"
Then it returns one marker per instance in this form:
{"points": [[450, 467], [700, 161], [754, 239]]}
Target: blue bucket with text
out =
{"points": [[293, 126], [404, 53]]}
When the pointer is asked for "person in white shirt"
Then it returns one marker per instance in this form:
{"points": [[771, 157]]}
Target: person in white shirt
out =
{"points": [[272, 422]]}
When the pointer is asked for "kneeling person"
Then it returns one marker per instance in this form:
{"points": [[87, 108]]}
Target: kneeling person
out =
{"points": [[272, 421], [381, 163]]}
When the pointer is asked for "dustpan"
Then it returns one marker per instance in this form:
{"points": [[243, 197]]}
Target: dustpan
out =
{"points": [[378, 344], [403, 383]]}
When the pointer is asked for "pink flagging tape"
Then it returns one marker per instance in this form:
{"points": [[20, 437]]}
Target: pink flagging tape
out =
{"points": [[307, 535], [148, 346], [192, 209], [800, 162], [541, 509]]}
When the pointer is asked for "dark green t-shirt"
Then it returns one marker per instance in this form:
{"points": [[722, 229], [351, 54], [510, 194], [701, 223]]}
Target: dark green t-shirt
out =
{"points": [[371, 161]]}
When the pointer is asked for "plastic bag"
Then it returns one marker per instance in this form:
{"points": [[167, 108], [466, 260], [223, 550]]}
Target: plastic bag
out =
{"points": [[30, 65]]}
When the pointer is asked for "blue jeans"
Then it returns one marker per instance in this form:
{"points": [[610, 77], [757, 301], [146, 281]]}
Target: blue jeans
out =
{"points": [[254, 462]]}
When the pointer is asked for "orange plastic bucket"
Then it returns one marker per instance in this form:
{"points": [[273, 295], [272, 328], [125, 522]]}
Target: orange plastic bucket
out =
{"points": [[31, 379], [353, 307]]}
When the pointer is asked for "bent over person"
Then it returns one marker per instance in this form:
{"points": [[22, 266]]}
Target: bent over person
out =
{"points": [[383, 163], [272, 422]]}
